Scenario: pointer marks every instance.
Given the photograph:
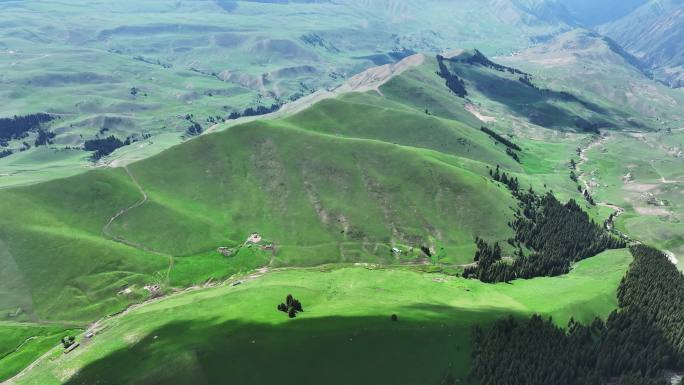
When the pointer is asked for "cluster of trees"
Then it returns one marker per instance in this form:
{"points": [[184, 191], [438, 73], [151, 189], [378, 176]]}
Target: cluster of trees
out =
{"points": [[251, 111], [18, 127], [655, 286], [194, 129], [500, 139], [44, 137], [513, 154], [557, 234], [68, 341], [292, 306], [527, 81], [635, 345], [490, 265], [453, 82], [479, 58], [509, 181], [4, 153], [589, 198], [104, 147]]}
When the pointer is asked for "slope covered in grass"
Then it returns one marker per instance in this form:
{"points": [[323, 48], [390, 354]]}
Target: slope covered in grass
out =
{"points": [[302, 190], [344, 180], [344, 334], [53, 253], [23, 343]]}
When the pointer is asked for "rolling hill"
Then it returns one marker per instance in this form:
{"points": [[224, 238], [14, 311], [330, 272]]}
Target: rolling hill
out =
{"points": [[143, 70], [653, 33], [367, 202], [637, 169]]}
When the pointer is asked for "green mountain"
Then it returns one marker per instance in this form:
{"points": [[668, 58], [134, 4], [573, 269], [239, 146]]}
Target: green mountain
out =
{"points": [[594, 66], [158, 72], [395, 175], [653, 33], [401, 218]]}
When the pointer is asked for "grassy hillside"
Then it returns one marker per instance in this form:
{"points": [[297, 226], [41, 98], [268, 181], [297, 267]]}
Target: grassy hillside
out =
{"points": [[639, 171], [341, 182], [228, 334], [321, 190], [600, 71], [147, 65], [643, 174], [23, 343], [653, 33]]}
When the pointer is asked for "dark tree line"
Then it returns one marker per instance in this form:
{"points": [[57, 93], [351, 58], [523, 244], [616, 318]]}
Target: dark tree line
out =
{"points": [[18, 127], [509, 181], [292, 306], [251, 111], [4, 153], [634, 345], [500, 139], [104, 147], [513, 154], [589, 198], [194, 129], [655, 286], [527, 81], [557, 234], [479, 58], [44, 138], [453, 82]]}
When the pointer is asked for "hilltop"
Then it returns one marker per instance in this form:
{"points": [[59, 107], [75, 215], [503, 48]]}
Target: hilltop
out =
{"points": [[154, 74], [399, 169], [653, 33]]}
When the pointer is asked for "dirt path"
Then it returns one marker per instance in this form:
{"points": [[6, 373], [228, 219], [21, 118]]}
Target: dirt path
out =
{"points": [[18, 347], [582, 176], [99, 326], [106, 229], [662, 177], [584, 159]]}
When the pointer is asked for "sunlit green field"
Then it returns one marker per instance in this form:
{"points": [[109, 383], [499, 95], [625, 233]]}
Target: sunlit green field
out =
{"points": [[206, 335], [338, 184], [23, 343], [642, 174]]}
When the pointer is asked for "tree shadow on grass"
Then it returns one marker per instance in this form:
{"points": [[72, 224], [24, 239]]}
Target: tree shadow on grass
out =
{"points": [[332, 350]]}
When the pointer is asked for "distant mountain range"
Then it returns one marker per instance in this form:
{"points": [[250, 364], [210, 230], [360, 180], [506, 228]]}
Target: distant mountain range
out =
{"points": [[650, 30], [654, 33]]}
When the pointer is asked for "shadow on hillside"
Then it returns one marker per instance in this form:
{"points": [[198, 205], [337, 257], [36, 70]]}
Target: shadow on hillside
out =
{"points": [[540, 106], [332, 350]]}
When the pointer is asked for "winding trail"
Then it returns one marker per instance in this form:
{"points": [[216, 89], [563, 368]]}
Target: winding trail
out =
{"points": [[98, 326], [18, 347], [107, 233], [584, 158]]}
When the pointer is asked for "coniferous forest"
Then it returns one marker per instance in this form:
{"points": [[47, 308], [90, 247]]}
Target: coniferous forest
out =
{"points": [[104, 147], [18, 127], [555, 234], [453, 82], [636, 345]]}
